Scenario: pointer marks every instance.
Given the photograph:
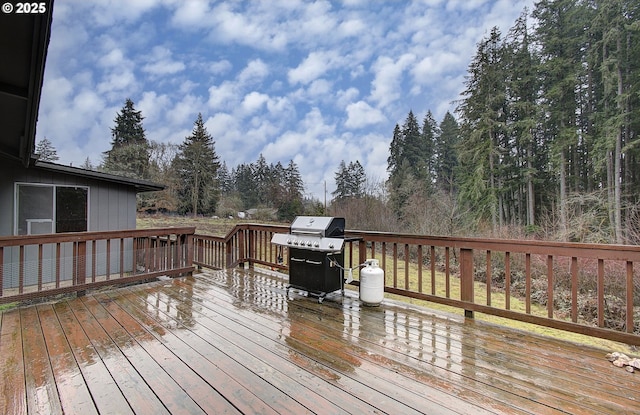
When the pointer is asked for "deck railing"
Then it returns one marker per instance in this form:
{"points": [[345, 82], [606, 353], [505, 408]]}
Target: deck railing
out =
{"points": [[44, 265], [591, 289]]}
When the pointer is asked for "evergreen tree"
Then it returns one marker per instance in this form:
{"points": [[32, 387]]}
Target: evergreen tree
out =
{"points": [[87, 164], [342, 182], [427, 149], [523, 88], [446, 156], [246, 185], [129, 154], [196, 166], [413, 150], [559, 34], [46, 151], [350, 181], [395, 151], [356, 179], [292, 204], [483, 114], [225, 179], [263, 180]]}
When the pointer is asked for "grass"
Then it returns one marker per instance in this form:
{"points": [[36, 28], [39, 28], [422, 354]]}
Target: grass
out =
{"points": [[220, 227], [8, 306]]}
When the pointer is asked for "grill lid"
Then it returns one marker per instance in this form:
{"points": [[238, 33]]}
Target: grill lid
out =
{"points": [[315, 233], [318, 225]]}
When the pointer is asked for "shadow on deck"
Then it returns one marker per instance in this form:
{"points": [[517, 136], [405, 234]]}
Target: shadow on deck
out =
{"points": [[232, 342]]}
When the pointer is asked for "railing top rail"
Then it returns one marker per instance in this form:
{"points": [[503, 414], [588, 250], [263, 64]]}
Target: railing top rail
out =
{"points": [[89, 236], [244, 226], [571, 249]]}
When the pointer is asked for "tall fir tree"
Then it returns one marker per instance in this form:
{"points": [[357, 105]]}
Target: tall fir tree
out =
{"points": [[445, 149], [483, 114], [46, 151], [129, 154], [196, 166]]}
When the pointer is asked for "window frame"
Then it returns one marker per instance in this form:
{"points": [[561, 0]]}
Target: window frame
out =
{"points": [[54, 187]]}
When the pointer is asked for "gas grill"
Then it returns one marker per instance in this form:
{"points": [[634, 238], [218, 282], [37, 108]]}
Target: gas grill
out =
{"points": [[316, 255]]}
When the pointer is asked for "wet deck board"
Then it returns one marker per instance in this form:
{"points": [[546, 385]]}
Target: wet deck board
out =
{"points": [[232, 342]]}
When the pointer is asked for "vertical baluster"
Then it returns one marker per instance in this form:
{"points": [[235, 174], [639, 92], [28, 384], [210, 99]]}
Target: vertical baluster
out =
{"points": [[420, 259], [550, 286], [447, 271], [1, 271], [58, 249], [600, 293], [432, 263], [395, 265], [629, 297], [528, 283], [488, 277], [507, 280], [21, 271], [40, 267], [574, 289], [108, 259], [406, 266]]}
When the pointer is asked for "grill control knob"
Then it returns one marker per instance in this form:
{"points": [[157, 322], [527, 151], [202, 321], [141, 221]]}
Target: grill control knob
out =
{"points": [[295, 242], [316, 244], [331, 245], [289, 241], [308, 243]]}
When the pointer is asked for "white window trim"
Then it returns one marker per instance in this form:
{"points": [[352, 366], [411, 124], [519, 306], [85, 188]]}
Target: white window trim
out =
{"points": [[54, 187]]}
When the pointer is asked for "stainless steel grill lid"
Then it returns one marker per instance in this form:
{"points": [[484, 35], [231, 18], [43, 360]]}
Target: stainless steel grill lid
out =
{"points": [[315, 233]]}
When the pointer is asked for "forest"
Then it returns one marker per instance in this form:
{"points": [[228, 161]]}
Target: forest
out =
{"points": [[543, 143]]}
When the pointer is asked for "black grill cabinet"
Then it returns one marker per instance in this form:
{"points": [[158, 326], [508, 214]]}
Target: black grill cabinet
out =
{"points": [[316, 257]]}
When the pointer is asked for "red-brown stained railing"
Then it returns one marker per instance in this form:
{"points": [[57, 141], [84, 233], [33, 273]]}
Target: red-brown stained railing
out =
{"points": [[245, 244], [403, 258], [151, 253]]}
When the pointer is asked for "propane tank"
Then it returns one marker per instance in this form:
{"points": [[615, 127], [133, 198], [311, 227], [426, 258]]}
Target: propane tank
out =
{"points": [[371, 283]]}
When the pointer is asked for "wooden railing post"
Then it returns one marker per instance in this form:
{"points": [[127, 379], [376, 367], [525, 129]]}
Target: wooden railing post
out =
{"points": [[190, 250], [252, 254], [242, 254], [81, 266], [466, 278]]}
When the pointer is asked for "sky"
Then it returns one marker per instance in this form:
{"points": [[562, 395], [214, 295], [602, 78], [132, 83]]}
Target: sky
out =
{"points": [[316, 82]]}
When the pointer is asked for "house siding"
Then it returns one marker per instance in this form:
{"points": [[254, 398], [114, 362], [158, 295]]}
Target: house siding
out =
{"points": [[112, 206]]}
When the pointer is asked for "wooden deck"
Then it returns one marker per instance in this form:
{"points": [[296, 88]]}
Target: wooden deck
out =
{"points": [[231, 342]]}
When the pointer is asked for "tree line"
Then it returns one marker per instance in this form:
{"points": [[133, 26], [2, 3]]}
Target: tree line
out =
{"points": [[197, 181], [546, 135], [544, 139]]}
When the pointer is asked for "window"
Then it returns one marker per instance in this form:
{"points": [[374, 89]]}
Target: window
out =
{"points": [[51, 209]]}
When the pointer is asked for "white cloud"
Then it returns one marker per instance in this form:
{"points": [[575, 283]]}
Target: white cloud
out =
{"points": [[310, 81], [220, 67], [361, 114], [253, 101], [346, 97], [160, 62], [191, 14], [115, 57], [255, 71], [430, 68], [314, 66], [223, 96], [386, 86]]}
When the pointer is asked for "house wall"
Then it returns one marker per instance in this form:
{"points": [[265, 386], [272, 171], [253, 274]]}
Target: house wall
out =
{"points": [[111, 207]]}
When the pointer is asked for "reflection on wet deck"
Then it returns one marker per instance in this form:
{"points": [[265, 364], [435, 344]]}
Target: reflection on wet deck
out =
{"points": [[232, 342]]}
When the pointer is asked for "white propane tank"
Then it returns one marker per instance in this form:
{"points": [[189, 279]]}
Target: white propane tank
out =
{"points": [[371, 283]]}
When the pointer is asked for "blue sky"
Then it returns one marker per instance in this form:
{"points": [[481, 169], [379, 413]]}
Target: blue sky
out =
{"points": [[313, 82]]}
